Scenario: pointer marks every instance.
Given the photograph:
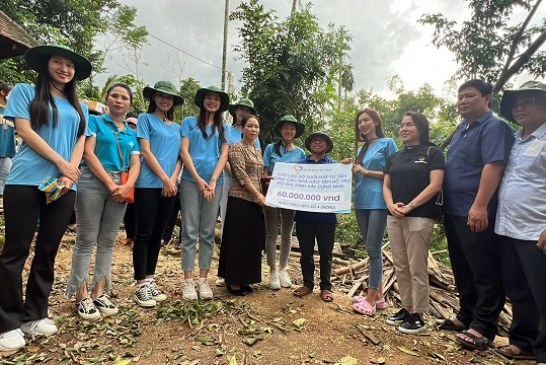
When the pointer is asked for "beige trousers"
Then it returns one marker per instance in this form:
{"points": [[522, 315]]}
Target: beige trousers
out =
{"points": [[410, 240]]}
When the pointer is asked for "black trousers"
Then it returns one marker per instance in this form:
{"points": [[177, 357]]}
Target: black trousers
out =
{"points": [[152, 211], [324, 232], [129, 220], [475, 261], [23, 207], [171, 222], [524, 277]]}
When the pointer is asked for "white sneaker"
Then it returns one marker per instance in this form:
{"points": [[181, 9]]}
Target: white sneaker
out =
{"points": [[105, 306], [12, 340], [157, 294], [40, 327], [274, 281], [188, 290], [205, 292], [87, 309], [284, 278], [220, 282], [143, 296]]}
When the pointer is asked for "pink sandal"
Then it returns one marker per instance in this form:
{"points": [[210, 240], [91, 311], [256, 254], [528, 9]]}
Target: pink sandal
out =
{"points": [[379, 304], [363, 307]]}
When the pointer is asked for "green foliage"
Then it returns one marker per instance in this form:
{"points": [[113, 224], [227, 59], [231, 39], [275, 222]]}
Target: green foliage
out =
{"points": [[188, 89], [440, 113], [291, 64], [74, 23], [489, 45]]}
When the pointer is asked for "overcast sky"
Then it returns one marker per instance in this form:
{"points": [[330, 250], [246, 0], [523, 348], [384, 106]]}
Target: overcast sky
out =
{"points": [[386, 40]]}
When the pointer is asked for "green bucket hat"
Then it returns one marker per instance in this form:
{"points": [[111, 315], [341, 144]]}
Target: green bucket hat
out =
{"points": [[165, 87], [242, 102], [300, 127], [201, 93], [509, 96], [37, 57], [323, 135]]}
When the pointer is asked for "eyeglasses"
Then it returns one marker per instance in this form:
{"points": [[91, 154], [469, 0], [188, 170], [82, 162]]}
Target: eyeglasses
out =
{"points": [[527, 101]]}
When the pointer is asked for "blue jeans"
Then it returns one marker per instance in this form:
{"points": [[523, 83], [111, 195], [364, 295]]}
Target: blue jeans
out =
{"points": [[372, 224], [198, 222], [99, 218], [5, 167]]}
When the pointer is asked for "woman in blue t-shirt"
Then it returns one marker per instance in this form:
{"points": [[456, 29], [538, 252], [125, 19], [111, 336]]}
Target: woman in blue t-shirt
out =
{"points": [[155, 189], [111, 148], [204, 152], [284, 150], [370, 208], [51, 122]]}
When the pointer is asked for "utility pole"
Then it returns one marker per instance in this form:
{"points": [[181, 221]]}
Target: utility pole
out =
{"points": [[294, 2], [224, 54]]}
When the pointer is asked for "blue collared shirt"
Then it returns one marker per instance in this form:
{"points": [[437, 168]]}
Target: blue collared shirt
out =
{"points": [[522, 194], [486, 140], [311, 216]]}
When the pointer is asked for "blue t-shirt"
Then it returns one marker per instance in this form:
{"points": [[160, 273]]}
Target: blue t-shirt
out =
{"points": [[474, 145], [314, 216], [235, 135], [164, 139], [104, 130], [270, 156], [204, 152], [369, 190], [7, 136], [29, 167]]}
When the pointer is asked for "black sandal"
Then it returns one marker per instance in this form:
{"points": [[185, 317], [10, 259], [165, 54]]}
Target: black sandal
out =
{"points": [[237, 292], [472, 341], [449, 325]]}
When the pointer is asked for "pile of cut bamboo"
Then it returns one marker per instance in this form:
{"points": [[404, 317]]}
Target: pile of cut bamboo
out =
{"points": [[352, 276]]}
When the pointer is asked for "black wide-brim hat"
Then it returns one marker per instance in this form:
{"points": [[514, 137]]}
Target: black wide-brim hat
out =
{"points": [[37, 57], [201, 93], [319, 134]]}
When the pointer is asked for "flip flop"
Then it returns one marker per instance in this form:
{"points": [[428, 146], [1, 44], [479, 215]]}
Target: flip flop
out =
{"points": [[472, 341], [513, 352], [449, 325], [302, 291], [365, 308], [327, 295]]}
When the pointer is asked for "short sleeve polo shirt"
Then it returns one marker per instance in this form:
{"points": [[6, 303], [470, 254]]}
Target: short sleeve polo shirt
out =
{"points": [[474, 145]]}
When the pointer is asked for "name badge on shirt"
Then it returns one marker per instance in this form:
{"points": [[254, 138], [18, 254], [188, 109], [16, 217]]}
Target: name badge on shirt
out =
{"points": [[534, 148]]}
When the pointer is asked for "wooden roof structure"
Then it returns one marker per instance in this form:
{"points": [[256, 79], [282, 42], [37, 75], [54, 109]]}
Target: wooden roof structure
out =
{"points": [[14, 40]]}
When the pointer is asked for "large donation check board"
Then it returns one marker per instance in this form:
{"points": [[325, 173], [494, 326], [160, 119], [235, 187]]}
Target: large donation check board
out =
{"points": [[322, 188]]}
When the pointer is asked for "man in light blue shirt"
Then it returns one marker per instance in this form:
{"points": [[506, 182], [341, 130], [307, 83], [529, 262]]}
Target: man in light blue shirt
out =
{"points": [[521, 222]]}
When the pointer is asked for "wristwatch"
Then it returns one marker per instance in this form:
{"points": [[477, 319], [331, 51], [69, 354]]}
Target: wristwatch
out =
{"points": [[412, 206]]}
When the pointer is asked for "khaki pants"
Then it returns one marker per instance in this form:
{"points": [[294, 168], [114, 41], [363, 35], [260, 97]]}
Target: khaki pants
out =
{"points": [[410, 240]]}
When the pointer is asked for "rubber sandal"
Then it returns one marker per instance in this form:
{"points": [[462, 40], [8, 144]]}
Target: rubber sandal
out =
{"points": [[449, 325], [381, 304], [473, 342], [513, 352], [302, 291], [364, 308], [326, 295]]}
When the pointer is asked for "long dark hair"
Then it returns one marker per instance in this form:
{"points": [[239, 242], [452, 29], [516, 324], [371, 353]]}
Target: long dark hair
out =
{"points": [[202, 123], [152, 107], [378, 131], [39, 106]]}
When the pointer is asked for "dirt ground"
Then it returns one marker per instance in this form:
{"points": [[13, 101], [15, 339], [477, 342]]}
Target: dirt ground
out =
{"points": [[266, 327]]}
